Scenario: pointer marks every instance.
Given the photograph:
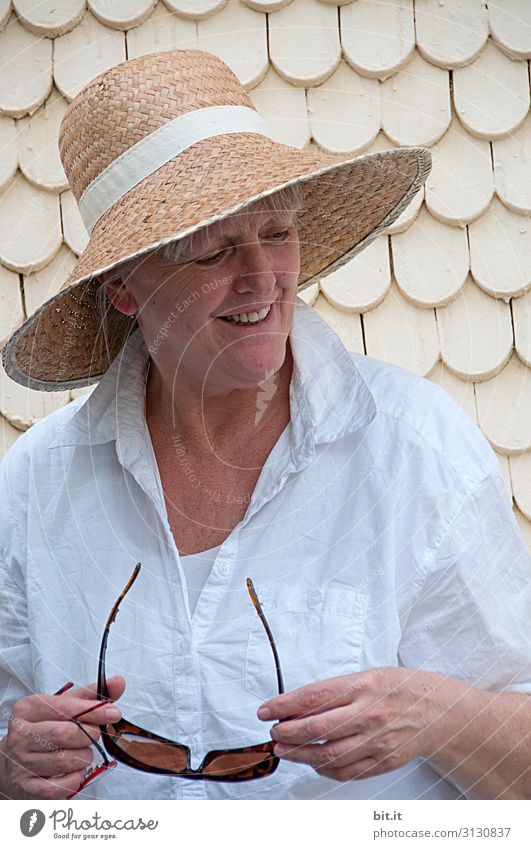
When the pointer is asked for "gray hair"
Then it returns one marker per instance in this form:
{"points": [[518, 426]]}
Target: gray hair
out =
{"points": [[115, 326]]}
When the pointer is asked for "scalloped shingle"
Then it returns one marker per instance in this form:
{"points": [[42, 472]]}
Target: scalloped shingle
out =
{"points": [[304, 42], [430, 260], [161, 31], [416, 104], [510, 25], [500, 251], [512, 168], [377, 37], [49, 17], [237, 35], [82, 54], [363, 281], [8, 146], [504, 408], [30, 227], [465, 324], [38, 150], [121, 14], [451, 33], [491, 96], [26, 78], [11, 309]]}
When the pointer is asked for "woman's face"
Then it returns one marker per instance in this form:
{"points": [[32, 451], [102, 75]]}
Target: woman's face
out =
{"points": [[248, 262]]}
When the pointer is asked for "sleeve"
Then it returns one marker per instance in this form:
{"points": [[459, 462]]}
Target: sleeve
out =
{"points": [[472, 617], [16, 668]]}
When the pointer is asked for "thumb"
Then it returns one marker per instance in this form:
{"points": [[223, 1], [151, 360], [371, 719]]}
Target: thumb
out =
{"points": [[115, 685]]}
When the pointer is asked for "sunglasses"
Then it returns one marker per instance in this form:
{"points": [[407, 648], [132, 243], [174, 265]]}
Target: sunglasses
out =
{"points": [[148, 752]]}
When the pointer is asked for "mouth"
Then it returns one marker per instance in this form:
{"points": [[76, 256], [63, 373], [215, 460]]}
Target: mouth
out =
{"points": [[243, 327]]}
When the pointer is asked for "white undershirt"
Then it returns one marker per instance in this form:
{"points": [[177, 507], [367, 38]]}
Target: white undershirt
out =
{"points": [[196, 566], [197, 569]]}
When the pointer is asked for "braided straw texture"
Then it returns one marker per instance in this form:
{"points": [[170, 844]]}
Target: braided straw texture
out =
{"points": [[348, 201]]}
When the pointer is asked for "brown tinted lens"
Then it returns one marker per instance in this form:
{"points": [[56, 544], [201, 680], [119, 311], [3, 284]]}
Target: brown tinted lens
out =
{"points": [[234, 762], [153, 752]]}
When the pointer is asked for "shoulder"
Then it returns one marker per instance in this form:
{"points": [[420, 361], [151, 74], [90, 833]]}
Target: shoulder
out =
{"points": [[420, 414]]}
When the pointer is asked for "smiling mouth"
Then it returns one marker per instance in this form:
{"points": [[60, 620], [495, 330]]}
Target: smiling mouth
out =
{"points": [[253, 321]]}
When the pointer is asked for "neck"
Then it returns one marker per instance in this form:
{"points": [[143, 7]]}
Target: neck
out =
{"points": [[225, 423]]}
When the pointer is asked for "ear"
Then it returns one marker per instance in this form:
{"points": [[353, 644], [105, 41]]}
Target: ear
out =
{"points": [[118, 294]]}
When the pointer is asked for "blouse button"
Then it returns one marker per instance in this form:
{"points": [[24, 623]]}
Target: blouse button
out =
{"points": [[224, 568], [315, 597]]}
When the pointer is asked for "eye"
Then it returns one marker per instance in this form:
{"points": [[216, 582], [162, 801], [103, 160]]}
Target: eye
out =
{"points": [[279, 236]]}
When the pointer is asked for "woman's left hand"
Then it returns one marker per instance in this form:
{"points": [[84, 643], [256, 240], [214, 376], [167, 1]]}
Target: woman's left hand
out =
{"points": [[370, 722]]}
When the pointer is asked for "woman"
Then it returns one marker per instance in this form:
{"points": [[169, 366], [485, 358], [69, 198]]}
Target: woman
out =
{"points": [[234, 436]]}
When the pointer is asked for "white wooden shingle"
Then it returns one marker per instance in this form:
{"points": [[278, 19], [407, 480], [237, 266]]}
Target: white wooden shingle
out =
{"points": [[409, 215], [346, 325], [503, 463], [304, 42], [451, 33], [5, 12], [510, 26], [397, 332], [267, 5], [38, 150], [512, 168], [500, 251], [11, 309], [466, 324], [377, 36], [491, 96], [8, 436], [416, 104], [74, 231], [504, 408], [238, 35], [522, 326], [26, 78], [8, 148], [430, 261], [283, 108], [461, 184], [41, 285], [30, 228], [121, 14], [520, 466], [195, 9], [525, 526], [310, 294], [361, 283], [49, 18], [163, 30], [344, 111], [23, 407], [461, 391], [82, 54]]}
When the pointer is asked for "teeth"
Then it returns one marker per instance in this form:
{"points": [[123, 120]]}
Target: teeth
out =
{"points": [[248, 317]]}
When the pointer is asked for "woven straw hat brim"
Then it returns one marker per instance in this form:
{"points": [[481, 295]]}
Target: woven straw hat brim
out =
{"points": [[348, 202]]}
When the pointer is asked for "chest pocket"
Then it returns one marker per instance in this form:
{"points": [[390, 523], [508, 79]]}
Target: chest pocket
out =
{"points": [[318, 634]]}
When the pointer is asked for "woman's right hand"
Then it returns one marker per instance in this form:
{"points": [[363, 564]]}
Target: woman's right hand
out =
{"points": [[44, 754]]}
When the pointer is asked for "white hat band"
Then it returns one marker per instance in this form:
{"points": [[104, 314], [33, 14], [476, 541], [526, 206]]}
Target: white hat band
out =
{"points": [[157, 148]]}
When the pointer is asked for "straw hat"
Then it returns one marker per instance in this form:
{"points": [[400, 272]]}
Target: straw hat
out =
{"points": [[164, 144]]}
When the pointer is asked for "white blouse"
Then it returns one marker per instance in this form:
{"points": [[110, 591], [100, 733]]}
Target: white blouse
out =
{"points": [[379, 534]]}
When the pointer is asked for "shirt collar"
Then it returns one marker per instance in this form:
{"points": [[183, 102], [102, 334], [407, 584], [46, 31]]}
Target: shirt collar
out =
{"points": [[328, 396]]}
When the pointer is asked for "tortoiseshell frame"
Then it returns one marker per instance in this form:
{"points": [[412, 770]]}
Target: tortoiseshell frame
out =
{"points": [[111, 732]]}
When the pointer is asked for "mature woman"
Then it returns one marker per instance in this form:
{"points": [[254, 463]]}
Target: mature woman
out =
{"points": [[232, 435]]}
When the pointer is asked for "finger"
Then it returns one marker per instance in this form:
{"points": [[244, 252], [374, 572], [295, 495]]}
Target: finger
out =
{"points": [[115, 686], [62, 761], [58, 787], [366, 768], [316, 697], [42, 708], [333, 755], [327, 725], [57, 735]]}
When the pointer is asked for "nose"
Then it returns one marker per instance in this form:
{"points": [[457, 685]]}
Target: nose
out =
{"points": [[256, 271]]}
